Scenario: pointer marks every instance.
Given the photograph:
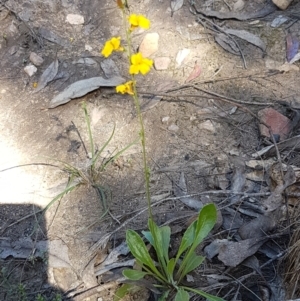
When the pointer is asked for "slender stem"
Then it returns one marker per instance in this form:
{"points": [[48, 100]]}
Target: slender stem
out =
{"points": [[140, 117]]}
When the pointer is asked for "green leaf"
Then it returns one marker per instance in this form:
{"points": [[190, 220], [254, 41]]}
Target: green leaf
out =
{"points": [[133, 274], [187, 239], [157, 239], [171, 266], [209, 297], [122, 291], [149, 237], [182, 295], [193, 262], [206, 220], [164, 296], [166, 237], [139, 250]]}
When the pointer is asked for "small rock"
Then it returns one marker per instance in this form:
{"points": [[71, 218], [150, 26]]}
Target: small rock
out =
{"points": [[279, 124], [165, 119], [13, 28], [239, 5], [181, 55], [36, 59], [109, 68], [162, 63], [87, 61], [173, 127], [278, 21], [30, 70], [64, 277], [286, 67], [282, 4], [207, 126], [149, 44], [88, 48], [12, 50], [75, 19]]}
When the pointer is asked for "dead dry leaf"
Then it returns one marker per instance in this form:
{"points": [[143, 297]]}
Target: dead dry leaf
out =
{"points": [[247, 36], [176, 5], [257, 228], [83, 87], [233, 253], [47, 76], [180, 190], [195, 73]]}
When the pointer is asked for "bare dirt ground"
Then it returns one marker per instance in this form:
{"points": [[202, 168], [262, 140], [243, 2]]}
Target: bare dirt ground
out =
{"points": [[205, 130]]}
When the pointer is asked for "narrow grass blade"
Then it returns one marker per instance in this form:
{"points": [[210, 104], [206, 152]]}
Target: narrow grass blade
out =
{"points": [[95, 158], [118, 154], [88, 122]]}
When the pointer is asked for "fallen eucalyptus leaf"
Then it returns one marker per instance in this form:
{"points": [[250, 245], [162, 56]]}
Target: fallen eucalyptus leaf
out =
{"points": [[176, 5], [53, 37], [195, 73], [248, 36], [83, 87], [228, 44], [109, 68], [266, 10], [292, 46], [257, 227], [180, 189], [47, 76], [233, 253]]}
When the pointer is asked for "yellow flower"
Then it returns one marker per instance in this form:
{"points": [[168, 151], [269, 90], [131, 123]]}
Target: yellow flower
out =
{"points": [[126, 88], [140, 64], [111, 45], [138, 21]]}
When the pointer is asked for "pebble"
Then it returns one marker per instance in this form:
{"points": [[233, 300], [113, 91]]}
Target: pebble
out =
{"points": [[173, 127], [165, 119], [87, 61], [88, 48], [207, 126], [181, 55], [149, 44], [279, 124], [162, 63], [278, 21], [30, 70], [75, 19], [36, 59], [282, 4]]}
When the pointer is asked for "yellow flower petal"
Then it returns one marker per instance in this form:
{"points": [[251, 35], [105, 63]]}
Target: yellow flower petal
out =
{"points": [[133, 20], [107, 49], [114, 44], [144, 22], [120, 89], [136, 58], [126, 88], [144, 68], [138, 21], [140, 64]]}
